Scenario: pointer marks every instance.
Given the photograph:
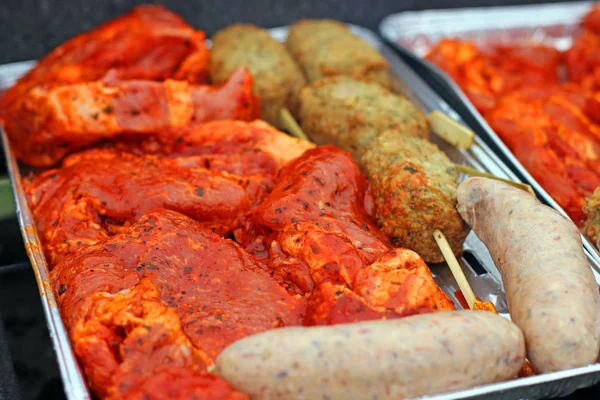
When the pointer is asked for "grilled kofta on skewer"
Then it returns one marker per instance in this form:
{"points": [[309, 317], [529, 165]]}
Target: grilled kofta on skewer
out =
{"points": [[277, 77], [414, 183], [350, 113], [325, 48]]}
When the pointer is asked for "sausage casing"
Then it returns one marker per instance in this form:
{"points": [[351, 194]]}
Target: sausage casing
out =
{"points": [[394, 359], [277, 77], [551, 291]]}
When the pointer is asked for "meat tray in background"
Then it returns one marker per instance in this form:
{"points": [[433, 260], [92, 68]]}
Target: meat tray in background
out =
{"points": [[414, 34], [476, 262]]}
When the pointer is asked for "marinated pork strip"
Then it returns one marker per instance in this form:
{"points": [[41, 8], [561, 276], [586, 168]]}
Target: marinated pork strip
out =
{"points": [[277, 77], [47, 124], [100, 192], [167, 365], [350, 113], [414, 186], [147, 310], [236, 147], [148, 43], [325, 48], [551, 291], [411, 357]]}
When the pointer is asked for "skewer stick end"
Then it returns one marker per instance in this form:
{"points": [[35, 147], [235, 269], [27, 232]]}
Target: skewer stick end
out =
{"points": [[291, 125], [451, 131], [475, 172], [455, 268]]}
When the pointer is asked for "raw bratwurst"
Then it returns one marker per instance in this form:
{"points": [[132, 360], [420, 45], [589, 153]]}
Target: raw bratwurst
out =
{"points": [[551, 291], [409, 357]]}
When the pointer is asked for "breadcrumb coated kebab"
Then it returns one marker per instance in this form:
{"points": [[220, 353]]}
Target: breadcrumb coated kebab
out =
{"points": [[414, 185], [326, 48], [350, 113], [277, 77]]}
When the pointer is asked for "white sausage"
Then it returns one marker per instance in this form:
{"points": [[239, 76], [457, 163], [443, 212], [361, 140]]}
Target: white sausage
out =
{"points": [[551, 291], [394, 359]]}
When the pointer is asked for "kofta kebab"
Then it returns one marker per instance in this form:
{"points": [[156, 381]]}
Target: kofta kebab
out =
{"points": [[194, 249]]}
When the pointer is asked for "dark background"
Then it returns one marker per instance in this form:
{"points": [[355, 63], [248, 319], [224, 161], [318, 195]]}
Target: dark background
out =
{"points": [[29, 29]]}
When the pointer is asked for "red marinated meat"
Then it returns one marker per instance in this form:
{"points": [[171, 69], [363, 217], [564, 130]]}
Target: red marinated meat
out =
{"points": [[100, 192], [47, 124], [136, 74], [240, 148], [213, 173], [552, 127], [313, 230], [166, 294]]}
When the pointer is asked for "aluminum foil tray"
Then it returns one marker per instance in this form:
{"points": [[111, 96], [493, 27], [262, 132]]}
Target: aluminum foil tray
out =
{"points": [[476, 262], [415, 33]]}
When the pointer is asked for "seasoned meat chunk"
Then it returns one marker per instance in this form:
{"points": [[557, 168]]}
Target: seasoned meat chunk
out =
{"points": [[104, 82], [163, 296], [100, 192], [313, 230], [51, 122]]}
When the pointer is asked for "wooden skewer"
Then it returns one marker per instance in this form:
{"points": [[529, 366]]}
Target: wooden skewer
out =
{"points": [[457, 271], [462, 137], [473, 302], [451, 131], [292, 126], [476, 172]]}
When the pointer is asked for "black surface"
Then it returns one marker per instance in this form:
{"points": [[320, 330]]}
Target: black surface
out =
{"points": [[30, 28], [34, 361], [9, 389]]}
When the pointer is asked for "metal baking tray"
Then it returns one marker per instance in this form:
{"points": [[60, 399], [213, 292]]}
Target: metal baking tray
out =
{"points": [[415, 33], [476, 263]]}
